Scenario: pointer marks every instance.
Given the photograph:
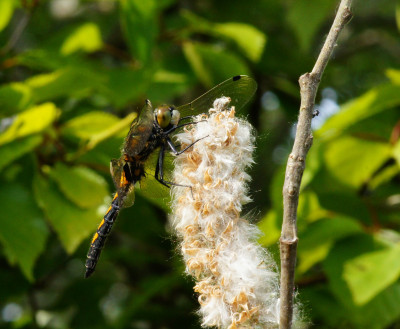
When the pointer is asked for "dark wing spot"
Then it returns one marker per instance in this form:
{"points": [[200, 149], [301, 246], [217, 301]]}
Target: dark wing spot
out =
{"points": [[236, 78]]}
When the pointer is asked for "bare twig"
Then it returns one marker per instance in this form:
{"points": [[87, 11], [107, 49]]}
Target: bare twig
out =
{"points": [[16, 34], [309, 83]]}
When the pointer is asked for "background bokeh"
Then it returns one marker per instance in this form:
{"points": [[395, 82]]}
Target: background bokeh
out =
{"points": [[73, 75]]}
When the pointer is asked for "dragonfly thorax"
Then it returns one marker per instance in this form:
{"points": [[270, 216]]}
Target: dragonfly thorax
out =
{"points": [[166, 116]]}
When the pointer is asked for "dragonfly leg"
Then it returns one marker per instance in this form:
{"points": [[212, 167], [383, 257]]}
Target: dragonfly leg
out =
{"points": [[175, 151], [159, 174], [182, 125], [187, 117]]}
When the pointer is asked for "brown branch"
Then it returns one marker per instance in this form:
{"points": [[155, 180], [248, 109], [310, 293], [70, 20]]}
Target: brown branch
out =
{"points": [[309, 83]]}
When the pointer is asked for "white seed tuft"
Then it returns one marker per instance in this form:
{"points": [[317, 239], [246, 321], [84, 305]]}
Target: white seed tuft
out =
{"points": [[236, 279]]}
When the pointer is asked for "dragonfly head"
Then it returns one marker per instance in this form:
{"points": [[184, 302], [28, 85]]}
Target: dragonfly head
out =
{"points": [[167, 116]]}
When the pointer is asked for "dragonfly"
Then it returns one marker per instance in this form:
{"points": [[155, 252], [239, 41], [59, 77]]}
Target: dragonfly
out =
{"points": [[149, 137]]}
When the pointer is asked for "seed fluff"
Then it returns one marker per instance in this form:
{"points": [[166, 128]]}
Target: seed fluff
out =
{"points": [[236, 279]]}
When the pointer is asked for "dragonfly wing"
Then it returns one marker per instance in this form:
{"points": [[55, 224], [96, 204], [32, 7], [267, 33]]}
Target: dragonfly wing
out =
{"points": [[150, 187], [140, 131], [129, 198], [240, 89]]}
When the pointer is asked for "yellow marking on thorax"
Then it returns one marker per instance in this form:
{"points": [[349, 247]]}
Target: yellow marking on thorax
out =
{"points": [[123, 180]]}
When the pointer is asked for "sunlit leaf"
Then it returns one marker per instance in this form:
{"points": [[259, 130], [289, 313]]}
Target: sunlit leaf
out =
{"points": [[373, 102], [6, 11], [119, 128], [86, 38], [15, 149], [342, 252], [29, 122], [396, 152], [23, 231], [71, 223], [81, 185], [212, 64], [392, 74], [89, 124], [370, 273], [270, 226], [140, 25], [309, 208], [306, 16], [353, 161], [249, 40], [385, 175], [380, 311], [71, 81]]}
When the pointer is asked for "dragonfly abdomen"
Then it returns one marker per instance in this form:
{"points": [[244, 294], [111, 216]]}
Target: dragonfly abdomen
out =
{"points": [[100, 236]]}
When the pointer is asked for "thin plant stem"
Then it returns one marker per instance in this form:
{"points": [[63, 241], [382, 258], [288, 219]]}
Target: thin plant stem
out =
{"points": [[309, 83]]}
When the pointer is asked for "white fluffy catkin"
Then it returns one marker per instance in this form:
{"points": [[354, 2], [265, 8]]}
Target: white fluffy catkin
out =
{"points": [[236, 279]]}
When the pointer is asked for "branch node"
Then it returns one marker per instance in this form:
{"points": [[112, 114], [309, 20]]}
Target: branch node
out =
{"points": [[347, 15]]}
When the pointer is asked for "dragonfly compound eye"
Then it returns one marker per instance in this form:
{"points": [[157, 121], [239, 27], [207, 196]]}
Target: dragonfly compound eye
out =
{"points": [[163, 115], [175, 117]]}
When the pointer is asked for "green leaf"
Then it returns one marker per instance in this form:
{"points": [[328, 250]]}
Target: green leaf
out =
{"points": [[6, 12], [309, 209], [29, 122], [85, 38], [248, 39], [318, 237], [393, 75], [81, 185], [353, 161], [167, 85], [140, 25], [373, 102], [398, 15], [343, 202], [270, 226], [306, 16], [369, 274], [396, 152], [342, 252], [15, 149], [213, 64], [385, 175], [14, 97], [70, 81], [71, 223], [381, 310], [126, 85], [120, 128], [88, 125], [23, 231]]}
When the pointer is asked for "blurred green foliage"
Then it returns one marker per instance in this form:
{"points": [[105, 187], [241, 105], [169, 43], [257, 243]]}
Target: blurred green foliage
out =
{"points": [[73, 75]]}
